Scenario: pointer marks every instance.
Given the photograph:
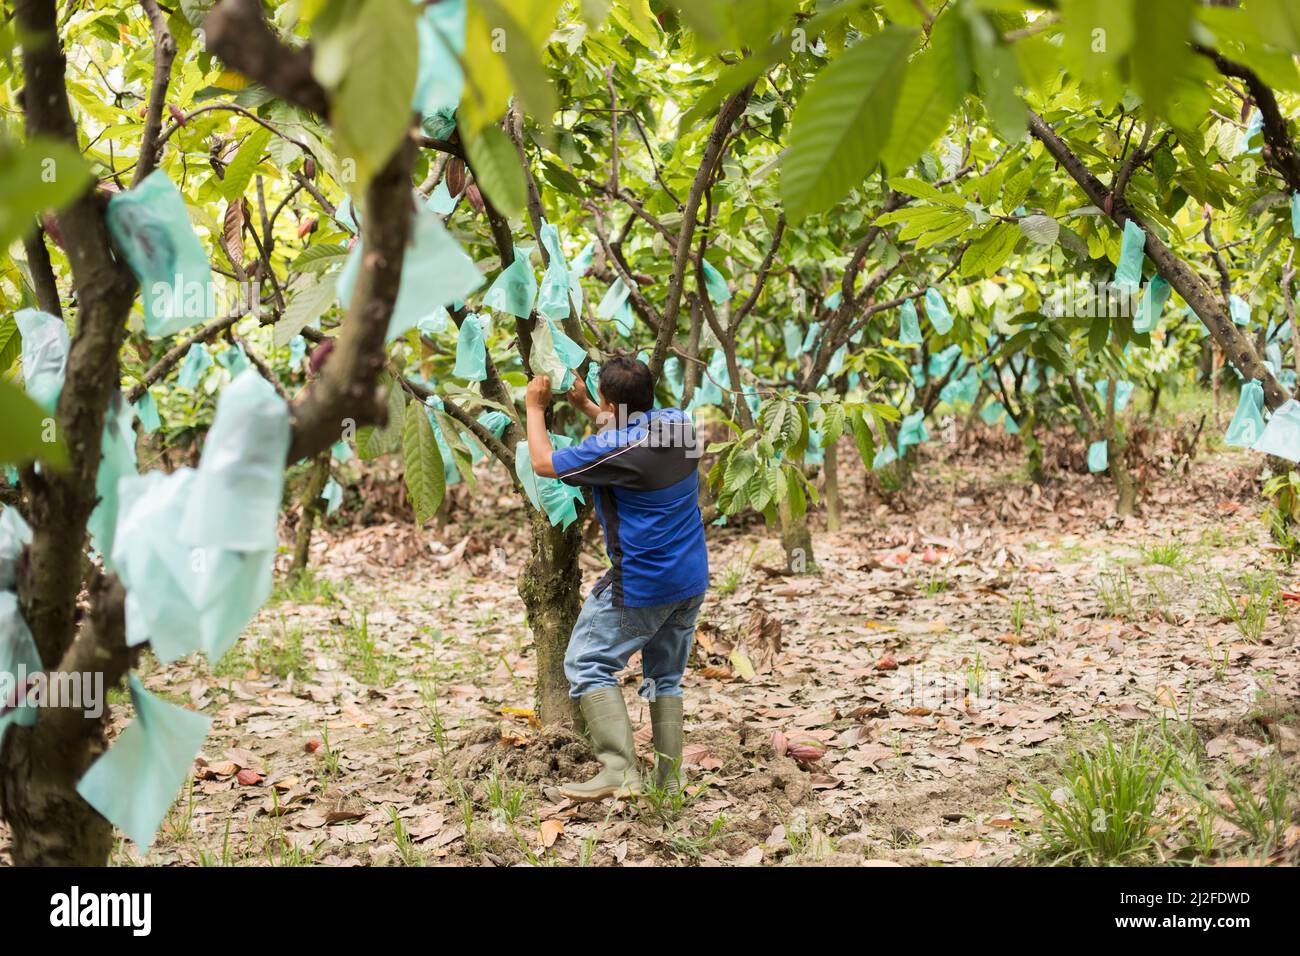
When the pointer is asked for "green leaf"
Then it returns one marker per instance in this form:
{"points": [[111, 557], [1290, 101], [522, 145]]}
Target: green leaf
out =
{"points": [[369, 60], [312, 295], [40, 174], [1164, 31], [496, 167], [29, 433], [531, 83], [422, 463], [863, 437], [1043, 230], [843, 122], [240, 171], [998, 72], [925, 107], [11, 343], [319, 258], [986, 254], [373, 442]]}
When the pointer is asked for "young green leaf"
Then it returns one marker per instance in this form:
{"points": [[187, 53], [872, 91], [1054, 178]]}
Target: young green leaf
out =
{"points": [[422, 463]]}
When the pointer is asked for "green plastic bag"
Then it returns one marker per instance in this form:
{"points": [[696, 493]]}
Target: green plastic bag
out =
{"points": [[1295, 215], [1240, 309], [909, 325], [963, 389], [1128, 271], [792, 337], [1153, 304], [1009, 423], [1123, 392], [146, 409], [615, 297], [884, 456], [134, 783], [435, 272], [1098, 456], [810, 337], [554, 300], [19, 660], [543, 359], [433, 323], [992, 412], [936, 310], [346, 216], [918, 375], [471, 349], [675, 376], [117, 461], [1247, 423], [593, 382], [341, 451], [579, 269], [440, 29], [715, 285], [570, 352], [942, 362], [150, 226], [14, 536], [558, 500], [441, 201], [515, 289], [332, 495], [297, 351], [240, 478], [181, 597], [832, 301], [911, 431], [45, 345], [197, 362], [836, 364], [1281, 435], [234, 360]]}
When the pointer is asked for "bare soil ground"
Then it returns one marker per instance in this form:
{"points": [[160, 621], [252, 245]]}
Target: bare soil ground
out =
{"points": [[957, 640]]}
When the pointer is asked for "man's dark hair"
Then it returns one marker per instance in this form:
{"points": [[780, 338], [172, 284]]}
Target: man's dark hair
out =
{"points": [[627, 381]]}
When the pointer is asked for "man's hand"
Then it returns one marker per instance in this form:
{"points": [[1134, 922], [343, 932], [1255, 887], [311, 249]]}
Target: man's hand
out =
{"points": [[579, 399], [538, 393]]}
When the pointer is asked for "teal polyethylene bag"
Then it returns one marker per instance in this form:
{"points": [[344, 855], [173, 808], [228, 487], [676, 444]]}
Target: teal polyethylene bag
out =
{"points": [[332, 495], [1128, 271], [1240, 309], [918, 375], [117, 461], [297, 350], [836, 364], [1273, 358], [1010, 425], [515, 289], [471, 349], [1153, 304], [240, 478], [1098, 456], [134, 783], [884, 456], [810, 338], [435, 272], [715, 285], [1123, 392], [991, 412], [14, 536], [19, 659], [909, 325], [197, 362], [433, 323], [1295, 215], [441, 201], [440, 29], [570, 352], [181, 597], [150, 225], [833, 300], [936, 310], [554, 300], [545, 361], [593, 382], [346, 216], [341, 451], [675, 376], [450, 473], [234, 360], [576, 271], [615, 298], [1281, 435], [45, 344], [1248, 421], [791, 338], [963, 389], [146, 409], [911, 431], [550, 495], [942, 362]]}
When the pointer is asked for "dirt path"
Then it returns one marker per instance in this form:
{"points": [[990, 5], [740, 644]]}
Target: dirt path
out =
{"points": [[943, 658]]}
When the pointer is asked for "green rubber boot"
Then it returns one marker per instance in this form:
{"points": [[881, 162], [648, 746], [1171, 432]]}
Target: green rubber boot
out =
{"points": [[611, 738], [666, 723]]}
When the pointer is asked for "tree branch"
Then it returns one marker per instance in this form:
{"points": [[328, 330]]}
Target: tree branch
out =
{"points": [[238, 33]]}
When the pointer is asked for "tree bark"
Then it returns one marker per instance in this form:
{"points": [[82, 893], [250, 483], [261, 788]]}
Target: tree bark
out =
{"points": [[311, 508], [831, 473], [550, 585]]}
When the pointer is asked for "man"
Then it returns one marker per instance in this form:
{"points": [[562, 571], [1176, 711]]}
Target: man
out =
{"points": [[641, 467]]}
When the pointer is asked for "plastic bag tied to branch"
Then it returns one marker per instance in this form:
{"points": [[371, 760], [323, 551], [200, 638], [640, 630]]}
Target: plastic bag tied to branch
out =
{"points": [[1247, 423], [45, 344]]}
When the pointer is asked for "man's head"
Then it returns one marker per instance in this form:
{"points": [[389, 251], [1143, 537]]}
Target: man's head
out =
{"points": [[626, 381]]}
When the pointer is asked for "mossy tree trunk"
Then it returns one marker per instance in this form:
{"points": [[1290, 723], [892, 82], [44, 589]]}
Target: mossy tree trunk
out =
{"points": [[311, 509], [551, 587], [831, 487]]}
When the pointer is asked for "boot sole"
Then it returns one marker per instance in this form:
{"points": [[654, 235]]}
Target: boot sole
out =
{"points": [[618, 793]]}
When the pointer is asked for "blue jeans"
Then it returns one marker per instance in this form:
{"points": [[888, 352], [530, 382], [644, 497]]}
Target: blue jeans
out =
{"points": [[605, 637]]}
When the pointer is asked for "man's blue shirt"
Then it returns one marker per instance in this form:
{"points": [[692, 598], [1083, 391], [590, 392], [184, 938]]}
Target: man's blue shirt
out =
{"points": [[647, 499]]}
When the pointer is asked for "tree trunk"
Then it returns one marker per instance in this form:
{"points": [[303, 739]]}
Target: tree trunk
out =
{"points": [[550, 585], [1125, 488], [796, 539], [310, 501], [831, 471]]}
